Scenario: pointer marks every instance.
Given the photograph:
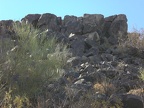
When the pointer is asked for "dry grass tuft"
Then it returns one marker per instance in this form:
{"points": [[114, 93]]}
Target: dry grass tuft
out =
{"points": [[104, 88]]}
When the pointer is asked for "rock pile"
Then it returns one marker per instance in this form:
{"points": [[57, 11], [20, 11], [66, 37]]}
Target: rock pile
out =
{"points": [[97, 64]]}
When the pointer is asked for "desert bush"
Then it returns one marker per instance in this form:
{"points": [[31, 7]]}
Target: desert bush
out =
{"points": [[141, 76], [134, 39], [137, 91], [105, 88], [31, 60]]}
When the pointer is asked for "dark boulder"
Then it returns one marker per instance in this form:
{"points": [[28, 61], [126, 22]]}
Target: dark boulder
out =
{"points": [[132, 101], [72, 24], [32, 19], [92, 22], [49, 21]]}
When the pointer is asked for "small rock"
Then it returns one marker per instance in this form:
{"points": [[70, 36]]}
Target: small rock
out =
{"points": [[74, 61], [79, 81]]}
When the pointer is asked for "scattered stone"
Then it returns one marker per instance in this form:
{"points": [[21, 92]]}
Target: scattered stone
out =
{"points": [[74, 61], [81, 81]]}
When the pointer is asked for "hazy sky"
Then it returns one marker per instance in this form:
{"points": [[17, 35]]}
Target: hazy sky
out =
{"points": [[17, 9]]}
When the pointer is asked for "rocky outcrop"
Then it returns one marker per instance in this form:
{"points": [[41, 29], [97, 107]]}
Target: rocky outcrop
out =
{"points": [[115, 27], [112, 27], [5, 28], [93, 41], [93, 29], [83, 34]]}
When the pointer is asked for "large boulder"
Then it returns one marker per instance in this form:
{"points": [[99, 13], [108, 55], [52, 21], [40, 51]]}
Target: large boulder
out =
{"points": [[49, 21], [6, 28], [107, 24], [115, 28], [77, 45], [32, 19], [92, 22], [72, 24], [132, 101]]}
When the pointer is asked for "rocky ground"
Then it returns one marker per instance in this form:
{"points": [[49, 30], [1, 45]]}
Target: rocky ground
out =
{"points": [[99, 69]]}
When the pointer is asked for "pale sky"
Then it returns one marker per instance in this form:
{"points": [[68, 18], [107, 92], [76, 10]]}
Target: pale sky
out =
{"points": [[17, 9]]}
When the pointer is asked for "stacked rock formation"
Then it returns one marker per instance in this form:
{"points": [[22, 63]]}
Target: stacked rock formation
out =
{"points": [[93, 41]]}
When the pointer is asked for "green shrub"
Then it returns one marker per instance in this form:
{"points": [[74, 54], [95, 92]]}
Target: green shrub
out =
{"points": [[141, 76], [32, 61]]}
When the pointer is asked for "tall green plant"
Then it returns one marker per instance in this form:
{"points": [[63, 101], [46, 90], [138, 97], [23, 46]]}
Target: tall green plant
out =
{"points": [[33, 60]]}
